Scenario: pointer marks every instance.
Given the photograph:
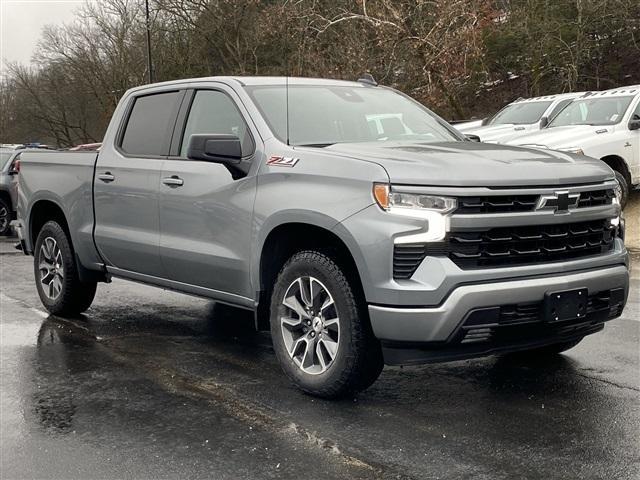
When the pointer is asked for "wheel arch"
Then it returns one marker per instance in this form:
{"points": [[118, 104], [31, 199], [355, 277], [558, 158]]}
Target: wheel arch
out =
{"points": [[287, 238], [6, 196], [619, 164], [43, 211]]}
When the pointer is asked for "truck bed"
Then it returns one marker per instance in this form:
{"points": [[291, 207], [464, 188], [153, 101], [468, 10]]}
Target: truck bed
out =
{"points": [[66, 180]]}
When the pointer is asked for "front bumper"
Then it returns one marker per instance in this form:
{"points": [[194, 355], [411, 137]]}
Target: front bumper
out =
{"points": [[438, 326]]}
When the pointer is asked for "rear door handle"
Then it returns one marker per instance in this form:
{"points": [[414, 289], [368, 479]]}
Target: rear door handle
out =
{"points": [[173, 181], [106, 177]]}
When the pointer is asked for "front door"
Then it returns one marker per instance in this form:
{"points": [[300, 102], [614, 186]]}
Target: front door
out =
{"points": [[127, 231], [206, 209]]}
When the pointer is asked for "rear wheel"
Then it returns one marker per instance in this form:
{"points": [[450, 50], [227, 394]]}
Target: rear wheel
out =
{"points": [[321, 332], [56, 273], [622, 188], [5, 217]]}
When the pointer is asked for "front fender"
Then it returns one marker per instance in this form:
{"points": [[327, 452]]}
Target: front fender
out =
{"points": [[284, 217]]}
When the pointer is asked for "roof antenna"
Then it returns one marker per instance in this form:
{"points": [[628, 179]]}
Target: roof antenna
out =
{"points": [[286, 89], [368, 79], [286, 78]]}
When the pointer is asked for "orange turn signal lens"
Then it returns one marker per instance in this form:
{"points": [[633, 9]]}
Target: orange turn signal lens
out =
{"points": [[381, 194]]}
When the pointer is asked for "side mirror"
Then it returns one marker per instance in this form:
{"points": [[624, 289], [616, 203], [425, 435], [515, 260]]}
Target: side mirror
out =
{"points": [[485, 121], [215, 148], [544, 121], [15, 168], [634, 125], [473, 138]]}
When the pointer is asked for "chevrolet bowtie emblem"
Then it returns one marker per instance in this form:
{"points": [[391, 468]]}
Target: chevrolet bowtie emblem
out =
{"points": [[560, 202]]}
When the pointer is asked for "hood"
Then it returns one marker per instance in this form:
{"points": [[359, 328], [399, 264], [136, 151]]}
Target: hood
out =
{"points": [[459, 164], [562, 137]]}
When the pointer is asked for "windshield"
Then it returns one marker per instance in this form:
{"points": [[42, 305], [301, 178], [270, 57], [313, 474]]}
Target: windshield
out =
{"points": [[4, 157], [520, 113], [324, 115], [593, 111]]}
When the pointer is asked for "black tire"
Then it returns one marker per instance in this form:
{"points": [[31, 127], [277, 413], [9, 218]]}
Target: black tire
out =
{"points": [[74, 296], [358, 359], [547, 351], [624, 188], [5, 217]]}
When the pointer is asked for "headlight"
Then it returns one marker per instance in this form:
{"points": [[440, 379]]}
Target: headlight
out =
{"points": [[389, 200], [577, 150], [431, 208]]}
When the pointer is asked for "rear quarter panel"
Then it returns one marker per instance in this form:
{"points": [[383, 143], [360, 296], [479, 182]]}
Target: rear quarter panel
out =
{"points": [[66, 179]]}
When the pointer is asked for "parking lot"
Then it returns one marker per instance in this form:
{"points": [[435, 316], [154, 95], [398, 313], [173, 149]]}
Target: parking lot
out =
{"points": [[152, 384]]}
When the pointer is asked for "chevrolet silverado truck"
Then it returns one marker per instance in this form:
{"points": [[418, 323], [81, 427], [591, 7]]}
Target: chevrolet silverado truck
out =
{"points": [[604, 125], [360, 227]]}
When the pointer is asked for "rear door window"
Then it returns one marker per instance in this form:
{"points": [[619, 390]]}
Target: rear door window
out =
{"points": [[150, 124]]}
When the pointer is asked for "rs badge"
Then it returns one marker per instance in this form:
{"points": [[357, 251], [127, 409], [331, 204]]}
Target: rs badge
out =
{"points": [[276, 161]]}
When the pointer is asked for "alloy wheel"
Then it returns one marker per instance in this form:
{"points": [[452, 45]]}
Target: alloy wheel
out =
{"points": [[310, 325], [51, 268], [4, 218]]}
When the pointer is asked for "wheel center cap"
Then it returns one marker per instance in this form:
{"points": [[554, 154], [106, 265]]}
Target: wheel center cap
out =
{"points": [[317, 324]]}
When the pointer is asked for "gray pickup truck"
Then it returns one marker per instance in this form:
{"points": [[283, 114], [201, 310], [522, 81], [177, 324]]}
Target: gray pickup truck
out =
{"points": [[360, 227]]}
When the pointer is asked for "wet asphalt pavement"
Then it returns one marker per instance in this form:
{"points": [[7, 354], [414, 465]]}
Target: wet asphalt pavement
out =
{"points": [[153, 384]]}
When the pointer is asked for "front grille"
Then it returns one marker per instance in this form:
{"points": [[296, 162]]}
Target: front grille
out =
{"points": [[525, 245], [595, 198], [508, 323], [524, 203], [497, 204], [487, 247]]}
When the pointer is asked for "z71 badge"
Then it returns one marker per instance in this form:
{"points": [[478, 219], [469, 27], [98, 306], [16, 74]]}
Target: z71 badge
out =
{"points": [[276, 161]]}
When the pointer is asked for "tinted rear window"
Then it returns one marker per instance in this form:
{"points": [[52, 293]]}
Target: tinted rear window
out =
{"points": [[150, 123], [4, 156]]}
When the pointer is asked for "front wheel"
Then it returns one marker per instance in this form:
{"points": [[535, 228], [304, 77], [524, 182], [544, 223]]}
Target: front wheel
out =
{"points": [[320, 329], [56, 273], [621, 189]]}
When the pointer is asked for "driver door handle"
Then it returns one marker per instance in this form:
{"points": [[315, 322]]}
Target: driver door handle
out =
{"points": [[173, 181], [106, 177]]}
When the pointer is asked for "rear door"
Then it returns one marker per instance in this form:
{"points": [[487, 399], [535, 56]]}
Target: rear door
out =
{"points": [[127, 231], [205, 209]]}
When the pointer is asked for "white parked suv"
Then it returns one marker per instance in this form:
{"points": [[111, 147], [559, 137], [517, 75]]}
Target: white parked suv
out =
{"points": [[521, 117], [604, 125]]}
